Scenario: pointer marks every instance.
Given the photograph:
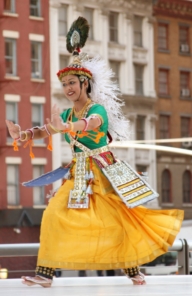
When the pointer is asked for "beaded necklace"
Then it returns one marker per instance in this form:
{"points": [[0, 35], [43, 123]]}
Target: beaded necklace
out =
{"points": [[80, 114]]}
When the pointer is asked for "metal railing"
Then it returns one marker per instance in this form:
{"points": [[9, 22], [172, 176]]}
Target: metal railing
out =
{"points": [[182, 246]]}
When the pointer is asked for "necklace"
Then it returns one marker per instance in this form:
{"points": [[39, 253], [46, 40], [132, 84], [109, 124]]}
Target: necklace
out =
{"points": [[79, 114]]}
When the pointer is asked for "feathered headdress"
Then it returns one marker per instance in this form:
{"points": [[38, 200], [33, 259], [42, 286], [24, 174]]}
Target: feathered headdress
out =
{"points": [[75, 40], [104, 91]]}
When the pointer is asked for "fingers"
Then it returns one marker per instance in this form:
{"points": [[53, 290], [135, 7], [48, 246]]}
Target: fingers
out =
{"points": [[55, 109]]}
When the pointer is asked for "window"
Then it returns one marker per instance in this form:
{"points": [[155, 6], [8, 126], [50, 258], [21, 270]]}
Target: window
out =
{"points": [[11, 114], [139, 79], [140, 127], [37, 118], [63, 61], [184, 84], [12, 185], [184, 39], [166, 186], [88, 12], [35, 8], [10, 56], [141, 169], [163, 36], [185, 127], [38, 192], [163, 82], [36, 59], [138, 30], [9, 6], [115, 66], [187, 187], [113, 26], [63, 20], [164, 124]]}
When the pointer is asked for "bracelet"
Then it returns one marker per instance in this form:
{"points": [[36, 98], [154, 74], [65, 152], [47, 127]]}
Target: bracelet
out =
{"points": [[48, 132], [17, 139], [25, 133], [54, 129], [31, 132], [86, 124], [71, 125]]}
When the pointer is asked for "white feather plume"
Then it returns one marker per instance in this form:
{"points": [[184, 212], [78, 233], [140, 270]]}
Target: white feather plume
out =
{"points": [[105, 91]]}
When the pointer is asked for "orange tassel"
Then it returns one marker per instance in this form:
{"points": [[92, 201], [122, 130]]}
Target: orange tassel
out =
{"points": [[30, 143], [15, 147], [50, 147]]}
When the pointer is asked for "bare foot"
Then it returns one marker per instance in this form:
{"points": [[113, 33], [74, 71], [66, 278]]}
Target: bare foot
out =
{"points": [[138, 279], [37, 280]]}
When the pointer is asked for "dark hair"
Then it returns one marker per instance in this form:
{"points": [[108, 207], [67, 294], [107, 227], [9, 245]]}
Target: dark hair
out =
{"points": [[88, 90]]}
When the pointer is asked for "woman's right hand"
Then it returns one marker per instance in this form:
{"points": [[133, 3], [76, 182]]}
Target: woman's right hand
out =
{"points": [[14, 129]]}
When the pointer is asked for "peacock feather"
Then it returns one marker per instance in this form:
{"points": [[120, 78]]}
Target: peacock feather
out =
{"points": [[77, 35]]}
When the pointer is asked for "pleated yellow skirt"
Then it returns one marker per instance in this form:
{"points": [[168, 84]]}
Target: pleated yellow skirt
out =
{"points": [[108, 235]]}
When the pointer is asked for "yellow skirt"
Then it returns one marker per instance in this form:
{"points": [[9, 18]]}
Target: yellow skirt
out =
{"points": [[108, 235]]}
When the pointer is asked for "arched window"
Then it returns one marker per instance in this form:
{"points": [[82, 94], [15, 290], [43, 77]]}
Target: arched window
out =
{"points": [[187, 187], [166, 186]]}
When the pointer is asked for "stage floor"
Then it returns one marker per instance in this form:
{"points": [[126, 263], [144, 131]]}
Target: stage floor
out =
{"points": [[176, 285]]}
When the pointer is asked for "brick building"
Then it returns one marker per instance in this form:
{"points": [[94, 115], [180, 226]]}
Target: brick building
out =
{"points": [[25, 99], [173, 64]]}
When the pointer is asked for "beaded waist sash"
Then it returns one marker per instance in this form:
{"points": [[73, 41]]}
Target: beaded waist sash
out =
{"points": [[127, 183]]}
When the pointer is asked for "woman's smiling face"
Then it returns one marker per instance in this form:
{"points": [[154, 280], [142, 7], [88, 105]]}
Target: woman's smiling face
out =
{"points": [[71, 87]]}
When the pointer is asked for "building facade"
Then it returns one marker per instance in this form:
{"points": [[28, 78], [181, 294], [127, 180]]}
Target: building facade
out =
{"points": [[173, 48], [121, 32], [25, 99]]}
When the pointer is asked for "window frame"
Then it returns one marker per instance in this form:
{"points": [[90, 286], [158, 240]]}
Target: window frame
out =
{"points": [[185, 134], [139, 31], [13, 58], [188, 190], [140, 132], [187, 85], [164, 38], [41, 121], [15, 104], [33, 7], [63, 23], [115, 66], [90, 21], [165, 83], [163, 131], [113, 29], [138, 80], [183, 42], [16, 184], [12, 7], [166, 182], [37, 60]]}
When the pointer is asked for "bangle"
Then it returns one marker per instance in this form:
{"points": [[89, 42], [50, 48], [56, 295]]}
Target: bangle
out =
{"points": [[54, 129], [48, 132], [17, 139], [71, 125], [31, 132], [25, 133], [86, 124]]}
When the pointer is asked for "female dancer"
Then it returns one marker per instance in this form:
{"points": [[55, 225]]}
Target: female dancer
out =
{"points": [[86, 224]]}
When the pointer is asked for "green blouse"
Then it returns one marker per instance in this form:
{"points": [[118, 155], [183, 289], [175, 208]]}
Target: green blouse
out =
{"points": [[86, 140]]}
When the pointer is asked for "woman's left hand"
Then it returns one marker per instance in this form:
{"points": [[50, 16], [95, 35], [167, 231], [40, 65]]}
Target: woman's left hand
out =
{"points": [[56, 120]]}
